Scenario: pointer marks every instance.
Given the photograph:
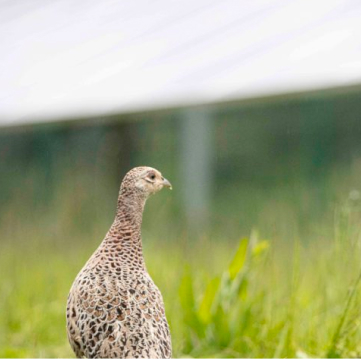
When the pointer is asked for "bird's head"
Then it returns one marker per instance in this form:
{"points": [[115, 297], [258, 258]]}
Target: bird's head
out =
{"points": [[144, 181]]}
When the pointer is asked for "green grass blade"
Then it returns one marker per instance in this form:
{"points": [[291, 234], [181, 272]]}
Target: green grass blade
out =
{"points": [[238, 259]]}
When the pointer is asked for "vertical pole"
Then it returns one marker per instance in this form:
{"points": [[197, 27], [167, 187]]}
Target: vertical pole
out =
{"points": [[196, 167]]}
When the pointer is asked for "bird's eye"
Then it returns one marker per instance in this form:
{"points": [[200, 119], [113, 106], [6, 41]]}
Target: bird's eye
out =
{"points": [[152, 176]]}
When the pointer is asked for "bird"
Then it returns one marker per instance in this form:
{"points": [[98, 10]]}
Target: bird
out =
{"points": [[114, 309]]}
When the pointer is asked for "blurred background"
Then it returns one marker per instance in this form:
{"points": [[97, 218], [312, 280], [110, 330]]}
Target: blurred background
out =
{"points": [[250, 109]]}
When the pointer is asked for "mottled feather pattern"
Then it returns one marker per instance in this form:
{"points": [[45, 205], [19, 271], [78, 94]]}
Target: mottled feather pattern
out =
{"points": [[114, 309]]}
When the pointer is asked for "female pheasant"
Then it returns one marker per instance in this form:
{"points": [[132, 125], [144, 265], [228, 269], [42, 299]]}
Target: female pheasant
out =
{"points": [[114, 309]]}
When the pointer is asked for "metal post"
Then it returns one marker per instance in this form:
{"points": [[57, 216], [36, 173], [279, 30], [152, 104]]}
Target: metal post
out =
{"points": [[196, 167]]}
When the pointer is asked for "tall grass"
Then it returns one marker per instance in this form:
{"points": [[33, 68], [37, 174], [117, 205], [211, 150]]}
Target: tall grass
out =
{"points": [[276, 293], [262, 298]]}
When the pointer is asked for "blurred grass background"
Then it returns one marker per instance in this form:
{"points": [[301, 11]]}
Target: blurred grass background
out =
{"points": [[275, 274]]}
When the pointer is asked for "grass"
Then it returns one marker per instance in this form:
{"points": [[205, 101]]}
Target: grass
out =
{"points": [[291, 290], [258, 298]]}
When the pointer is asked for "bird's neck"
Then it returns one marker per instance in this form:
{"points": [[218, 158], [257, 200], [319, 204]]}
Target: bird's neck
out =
{"points": [[129, 216], [124, 235]]}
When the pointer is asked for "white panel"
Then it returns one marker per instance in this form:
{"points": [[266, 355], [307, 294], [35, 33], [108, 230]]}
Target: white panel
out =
{"points": [[89, 57]]}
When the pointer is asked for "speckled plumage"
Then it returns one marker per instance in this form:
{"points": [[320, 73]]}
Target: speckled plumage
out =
{"points": [[114, 308]]}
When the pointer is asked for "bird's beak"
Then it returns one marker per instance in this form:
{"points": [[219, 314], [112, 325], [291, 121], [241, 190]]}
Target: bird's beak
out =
{"points": [[166, 183]]}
